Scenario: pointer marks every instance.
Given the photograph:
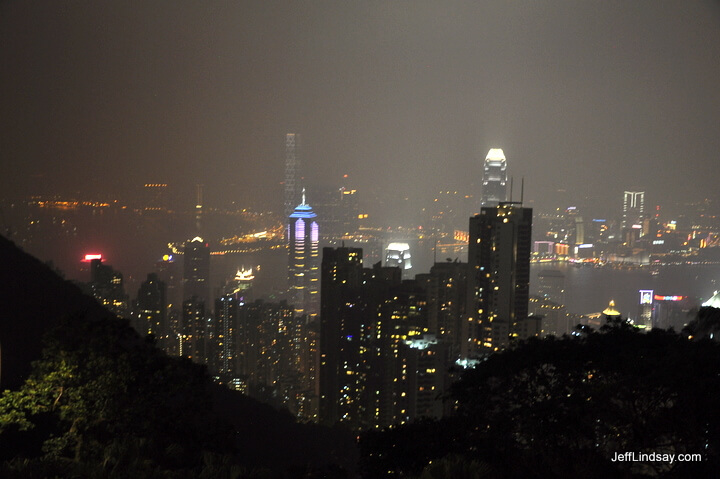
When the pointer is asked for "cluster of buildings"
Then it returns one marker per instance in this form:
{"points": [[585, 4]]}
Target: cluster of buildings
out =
{"points": [[641, 236], [362, 343]]}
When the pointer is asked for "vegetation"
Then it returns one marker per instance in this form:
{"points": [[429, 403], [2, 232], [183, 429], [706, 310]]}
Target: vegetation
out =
{"points": [[102, 403], [564, 407]]}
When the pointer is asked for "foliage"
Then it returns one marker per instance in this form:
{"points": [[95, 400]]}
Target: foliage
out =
{"points": [[100, 397], [564, 407]]}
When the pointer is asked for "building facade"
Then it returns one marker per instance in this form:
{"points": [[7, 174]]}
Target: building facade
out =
{"points": [[498, 276], [304, 260]]}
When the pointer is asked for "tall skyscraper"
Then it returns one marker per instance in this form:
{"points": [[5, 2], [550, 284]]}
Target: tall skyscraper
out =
{"points": [[224, 351], [342, 274], [494, 181], [304, 260], [498, 275], [192, 337], [152, 308], [633, 209], [292, 172], [196, 270], [446, 291]]}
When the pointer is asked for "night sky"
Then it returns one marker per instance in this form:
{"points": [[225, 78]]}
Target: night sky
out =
{"points": [[593, 97]]}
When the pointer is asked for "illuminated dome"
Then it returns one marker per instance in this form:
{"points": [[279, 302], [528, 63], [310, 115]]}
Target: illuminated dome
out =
{"points": [[713, 302], [610, 310]]}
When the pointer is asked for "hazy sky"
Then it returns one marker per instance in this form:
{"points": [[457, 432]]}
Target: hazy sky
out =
{"points": [[589, 96]]}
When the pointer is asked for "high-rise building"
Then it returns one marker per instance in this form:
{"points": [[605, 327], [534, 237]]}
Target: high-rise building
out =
{"points": [[398, 254], [340, 322], [446, 290], [494, 181], [192, 336], [196, 270], [633, 209], [106, 285], [224, 357], [151, 308], [498, 276], [292, 172], [241, 285], [304, 260]]}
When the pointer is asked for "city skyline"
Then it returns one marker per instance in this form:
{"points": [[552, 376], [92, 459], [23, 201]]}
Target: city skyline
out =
{"points": [[369, 239]]}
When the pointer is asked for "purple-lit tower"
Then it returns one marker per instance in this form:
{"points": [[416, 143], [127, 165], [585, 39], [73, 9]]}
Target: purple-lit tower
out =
{"points": [[304, 260]]}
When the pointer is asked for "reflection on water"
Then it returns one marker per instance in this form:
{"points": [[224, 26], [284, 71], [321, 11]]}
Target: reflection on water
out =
{"points": [[588, 289]]}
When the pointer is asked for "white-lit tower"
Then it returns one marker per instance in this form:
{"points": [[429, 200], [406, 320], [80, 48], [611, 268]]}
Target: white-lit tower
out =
{"points": [[633, 209], [494, 181]]}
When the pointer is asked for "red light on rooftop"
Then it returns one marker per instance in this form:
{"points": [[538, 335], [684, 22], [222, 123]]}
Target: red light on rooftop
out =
{"points": [[90, 257]]}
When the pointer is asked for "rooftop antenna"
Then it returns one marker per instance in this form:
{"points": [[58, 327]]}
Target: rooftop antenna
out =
{"points": [[522, 189]]}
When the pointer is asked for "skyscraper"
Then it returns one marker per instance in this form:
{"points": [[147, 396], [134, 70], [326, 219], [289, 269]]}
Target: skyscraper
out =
{"points": [[224, 351], [498, 275], [304, 260], [447, 287], [342, 275], [106, 285], [292, 172], [152, 308], [494, 181], [633, 209], [196, 270], [192, 337]]}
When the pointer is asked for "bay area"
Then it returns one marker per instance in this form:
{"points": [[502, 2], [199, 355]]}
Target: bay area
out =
{"points": [[589, 288]]}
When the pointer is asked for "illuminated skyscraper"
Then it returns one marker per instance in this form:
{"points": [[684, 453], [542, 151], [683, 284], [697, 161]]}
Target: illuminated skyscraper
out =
{"points": [[498, 275], [152, 308], [224, 352], [494, 182], [398, 254], [241, 285], [304, 260], [633, 209], [340, 319], [192, 337]]}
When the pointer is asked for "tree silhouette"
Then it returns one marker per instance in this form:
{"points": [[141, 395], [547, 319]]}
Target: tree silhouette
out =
{"points": [[562, 407]]}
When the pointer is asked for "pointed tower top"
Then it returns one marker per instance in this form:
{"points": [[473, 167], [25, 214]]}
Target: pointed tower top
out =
{"points": [[610, 310]]}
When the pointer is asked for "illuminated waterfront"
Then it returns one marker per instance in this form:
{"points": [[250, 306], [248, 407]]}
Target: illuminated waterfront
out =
{"points": [[588, 289]]}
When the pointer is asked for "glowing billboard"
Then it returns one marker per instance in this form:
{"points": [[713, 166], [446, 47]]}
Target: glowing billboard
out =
{"points": [[646, 296]]}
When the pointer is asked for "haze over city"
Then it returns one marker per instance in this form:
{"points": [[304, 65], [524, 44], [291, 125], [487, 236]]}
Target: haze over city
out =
{"points": [[350, 240], [587, 100]]}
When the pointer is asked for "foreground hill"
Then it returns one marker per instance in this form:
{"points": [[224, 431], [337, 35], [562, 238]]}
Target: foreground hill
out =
{"points": [[87, 397]]}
